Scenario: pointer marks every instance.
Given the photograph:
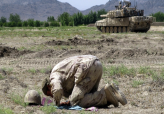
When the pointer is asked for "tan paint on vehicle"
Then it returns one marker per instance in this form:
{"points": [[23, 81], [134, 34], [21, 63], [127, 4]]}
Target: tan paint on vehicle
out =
{"points": [[124, 19]]}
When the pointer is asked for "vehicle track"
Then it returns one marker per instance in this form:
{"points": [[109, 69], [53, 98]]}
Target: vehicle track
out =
{"points": [[38, 63]]}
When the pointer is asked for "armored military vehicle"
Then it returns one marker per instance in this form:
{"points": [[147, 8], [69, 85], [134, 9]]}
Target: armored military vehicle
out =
{"points": [[124, 19]]}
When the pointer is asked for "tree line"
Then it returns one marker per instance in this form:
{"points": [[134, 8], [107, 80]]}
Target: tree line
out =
{"points": [[79, 19], [15, 21], [159, 16], [64, 19]]}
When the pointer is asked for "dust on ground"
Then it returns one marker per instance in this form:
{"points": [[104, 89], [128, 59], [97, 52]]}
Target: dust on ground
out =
{"points": [[22, 70]]}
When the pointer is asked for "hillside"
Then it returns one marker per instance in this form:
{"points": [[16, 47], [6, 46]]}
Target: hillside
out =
{"points": [[149, 6], [37, 9], [41, 9]]}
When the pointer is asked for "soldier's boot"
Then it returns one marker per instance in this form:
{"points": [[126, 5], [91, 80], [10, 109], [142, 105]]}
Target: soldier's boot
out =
{"points": [[114, 95], [111, 98], [119, 94]]}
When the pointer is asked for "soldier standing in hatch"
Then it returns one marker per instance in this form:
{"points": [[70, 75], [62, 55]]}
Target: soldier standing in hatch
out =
{"points": [[78, 78], [120, 5]]}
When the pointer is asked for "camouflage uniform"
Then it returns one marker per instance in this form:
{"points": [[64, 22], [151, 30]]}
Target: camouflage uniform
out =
{"points": [[78, 78]]}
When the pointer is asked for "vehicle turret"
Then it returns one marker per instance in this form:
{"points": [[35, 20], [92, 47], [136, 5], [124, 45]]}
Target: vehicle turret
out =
{"points": [[124, 11]]}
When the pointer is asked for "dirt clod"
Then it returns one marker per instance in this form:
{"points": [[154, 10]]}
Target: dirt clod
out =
{"points": [[11, 52]]}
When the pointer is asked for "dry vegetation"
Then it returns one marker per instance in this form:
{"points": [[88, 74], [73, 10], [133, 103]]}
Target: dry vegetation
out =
{"points": [[134, 61]]}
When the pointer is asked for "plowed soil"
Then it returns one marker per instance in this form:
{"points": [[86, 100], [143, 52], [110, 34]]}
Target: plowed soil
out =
{"points": [[25, 59]]}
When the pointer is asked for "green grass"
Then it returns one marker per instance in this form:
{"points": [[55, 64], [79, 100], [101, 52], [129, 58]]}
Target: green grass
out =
{"points": [[5, 110], [18, 100], [144, 70], [8, 70], [45, 70], [158, 76], [85, 112], [32, 71], [48, 109], [116, 82], [21, 48], [162, 106], [119, 71], [58, 32], [1, 77], [136, 83], [39, 48], [122, 71], [42, 70], [162, 74]]}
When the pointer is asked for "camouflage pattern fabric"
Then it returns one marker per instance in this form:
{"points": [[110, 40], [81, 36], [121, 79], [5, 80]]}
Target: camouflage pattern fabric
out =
{"points": [[78, 78]]}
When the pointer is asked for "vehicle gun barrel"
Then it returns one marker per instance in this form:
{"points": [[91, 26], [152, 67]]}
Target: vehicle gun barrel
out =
{"points": [[103, 15]]}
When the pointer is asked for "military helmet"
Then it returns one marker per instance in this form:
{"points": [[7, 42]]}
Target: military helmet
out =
{"points": [[45, 82], [32, 97]]}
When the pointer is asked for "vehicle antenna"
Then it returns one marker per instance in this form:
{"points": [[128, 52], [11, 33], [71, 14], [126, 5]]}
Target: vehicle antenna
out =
{"points": [[124, 3]]}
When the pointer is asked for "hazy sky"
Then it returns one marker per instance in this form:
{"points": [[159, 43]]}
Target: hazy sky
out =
{"points": [[84, 4]]}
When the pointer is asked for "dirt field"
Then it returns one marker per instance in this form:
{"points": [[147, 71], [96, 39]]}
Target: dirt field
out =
{"points": [[27, 55]]}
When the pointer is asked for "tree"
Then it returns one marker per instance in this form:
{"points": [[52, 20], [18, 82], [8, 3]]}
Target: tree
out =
{"points": [[70, 24], [86, 19], [78, 19], [1, 24], [51, 19], [5, 24], [30, 22], [11, 24], [64, 19], [41, 23], [14, 18], [37, 23], [94, 17], [159, 16], [54, 24], [100, 12], [46, 24], [90, 16], [25, 24], [3, 19], [19, 24], [75, 19]]}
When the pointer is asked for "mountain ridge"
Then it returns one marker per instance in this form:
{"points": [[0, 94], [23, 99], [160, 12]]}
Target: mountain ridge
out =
{"points": [[41, 9], [149, 6], [36, 9]]}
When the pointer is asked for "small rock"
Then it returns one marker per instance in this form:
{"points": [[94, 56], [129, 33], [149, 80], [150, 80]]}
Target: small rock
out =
{"points": [[22, 112], [147, 89], [145, 93], [3, 72], [102, 36]]}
